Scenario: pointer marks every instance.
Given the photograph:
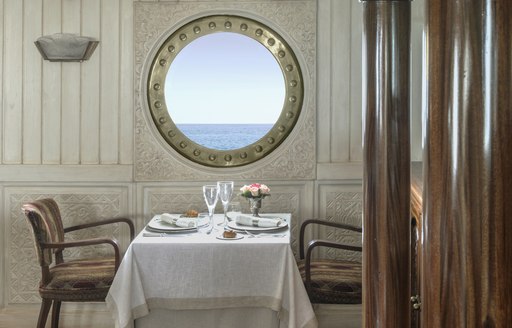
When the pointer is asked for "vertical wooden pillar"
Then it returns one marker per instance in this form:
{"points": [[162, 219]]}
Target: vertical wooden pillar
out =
{"points": [[467, 233], [386, 222]]}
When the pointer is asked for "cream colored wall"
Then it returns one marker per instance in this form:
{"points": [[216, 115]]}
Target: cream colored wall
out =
{"points": [[67, 113], [67, 129]]}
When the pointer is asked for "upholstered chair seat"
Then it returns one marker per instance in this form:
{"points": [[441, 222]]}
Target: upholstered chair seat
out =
{"points": [[81, 280], [330, 281], [84, 280], [333, 282]]}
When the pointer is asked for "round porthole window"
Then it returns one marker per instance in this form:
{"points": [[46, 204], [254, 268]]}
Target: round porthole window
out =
{"points": [[224, 91]]}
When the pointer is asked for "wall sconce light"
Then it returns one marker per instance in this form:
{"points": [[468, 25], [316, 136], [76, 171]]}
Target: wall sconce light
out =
{"points": [[66, 47]]}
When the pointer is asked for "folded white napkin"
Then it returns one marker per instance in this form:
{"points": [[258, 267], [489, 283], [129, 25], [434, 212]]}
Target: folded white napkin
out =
{"points": [[254, 221], [179, 221]]}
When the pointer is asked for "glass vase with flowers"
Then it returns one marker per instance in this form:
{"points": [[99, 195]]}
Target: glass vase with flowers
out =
{"points": [[255, 193]]}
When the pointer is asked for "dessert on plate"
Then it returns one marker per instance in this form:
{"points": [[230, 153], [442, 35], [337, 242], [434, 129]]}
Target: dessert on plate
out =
{"points": [[229, 234], [191, 214]]}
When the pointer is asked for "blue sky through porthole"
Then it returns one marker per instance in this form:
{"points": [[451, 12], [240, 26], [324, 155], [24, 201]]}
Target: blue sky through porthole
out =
{"points": [[224, 78]]}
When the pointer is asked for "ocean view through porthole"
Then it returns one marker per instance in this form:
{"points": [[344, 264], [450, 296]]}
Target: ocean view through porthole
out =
{"points": [[224, 90], [224, 136]]}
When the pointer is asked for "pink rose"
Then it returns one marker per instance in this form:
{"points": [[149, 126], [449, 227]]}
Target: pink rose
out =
{"points": [[264, 189], [255, 191]]}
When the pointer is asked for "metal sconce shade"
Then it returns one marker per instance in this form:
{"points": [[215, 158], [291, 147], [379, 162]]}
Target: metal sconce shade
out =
{"points": [[66, 47]]}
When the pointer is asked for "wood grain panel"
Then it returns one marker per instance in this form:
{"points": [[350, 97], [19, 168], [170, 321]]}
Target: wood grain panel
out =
{"points": [[126, 86], [340, 68], [1, 73], [467, 257], [90, 88], [109, 81], [356, 124], [417, 50], [71, 75], [335, 67], [324, 82], [13, 88], [51, 111], [416, 233], [51, 83], [386, 187], [32, 88]]}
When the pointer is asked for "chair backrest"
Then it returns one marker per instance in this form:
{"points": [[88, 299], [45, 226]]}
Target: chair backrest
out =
{"points": [[46, 223]]}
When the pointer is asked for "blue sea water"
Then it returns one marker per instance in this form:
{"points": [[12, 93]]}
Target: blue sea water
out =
{"points": [[224, 136]]}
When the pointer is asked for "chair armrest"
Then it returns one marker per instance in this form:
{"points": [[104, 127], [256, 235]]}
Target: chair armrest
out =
{"points": [[323, 243], [322, 222], [87, 242], [104, 222]]}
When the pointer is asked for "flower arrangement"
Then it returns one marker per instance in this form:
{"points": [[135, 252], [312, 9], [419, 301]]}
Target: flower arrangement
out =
{"points": [[255, 190]]}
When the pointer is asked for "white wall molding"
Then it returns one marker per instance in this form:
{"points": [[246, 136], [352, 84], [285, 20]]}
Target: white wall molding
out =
{"points": [[66, 173], [340, 171]]}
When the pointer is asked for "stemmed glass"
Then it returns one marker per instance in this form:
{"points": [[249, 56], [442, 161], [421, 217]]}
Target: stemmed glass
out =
{"points": [[234, 210], [225, 192], [210, 193]]}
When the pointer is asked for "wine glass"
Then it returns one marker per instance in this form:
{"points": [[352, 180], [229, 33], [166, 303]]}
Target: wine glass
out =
{"points": [[225, 192], [210, 193], [234, 210]]}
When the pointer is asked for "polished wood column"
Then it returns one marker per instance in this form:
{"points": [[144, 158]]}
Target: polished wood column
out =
{"points": [[467, 232], [386, 204]]}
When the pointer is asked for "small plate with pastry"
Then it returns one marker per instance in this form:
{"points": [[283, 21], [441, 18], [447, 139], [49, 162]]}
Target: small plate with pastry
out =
{"points": [[191, 214], [230, 235]]}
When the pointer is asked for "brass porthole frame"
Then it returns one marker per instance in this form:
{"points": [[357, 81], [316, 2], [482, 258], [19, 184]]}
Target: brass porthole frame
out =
{"points": [[186, 34]]}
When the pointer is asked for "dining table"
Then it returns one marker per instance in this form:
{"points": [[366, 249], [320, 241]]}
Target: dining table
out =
{"points": [[198, 278]]}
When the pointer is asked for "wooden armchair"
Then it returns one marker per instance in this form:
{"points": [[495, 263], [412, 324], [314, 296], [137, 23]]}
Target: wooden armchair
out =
{"points": [[83, 280], [330, 281]]}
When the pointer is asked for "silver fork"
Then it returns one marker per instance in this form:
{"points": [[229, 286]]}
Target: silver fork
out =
{"points": [[261, 235]]}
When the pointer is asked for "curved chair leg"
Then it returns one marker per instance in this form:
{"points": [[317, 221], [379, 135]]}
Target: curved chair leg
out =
{"points": [[43, 313], [55, 314]]}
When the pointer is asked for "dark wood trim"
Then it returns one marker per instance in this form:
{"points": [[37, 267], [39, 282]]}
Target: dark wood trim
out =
{"points": [[104, 222], [386, 186], [467, 252], [324, 223], [87, 242]]}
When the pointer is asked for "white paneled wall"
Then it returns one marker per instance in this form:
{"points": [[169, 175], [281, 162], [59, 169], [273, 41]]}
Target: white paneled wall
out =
{"points": [[67, 113], [417, 24], [334, 88], [2, 71]]}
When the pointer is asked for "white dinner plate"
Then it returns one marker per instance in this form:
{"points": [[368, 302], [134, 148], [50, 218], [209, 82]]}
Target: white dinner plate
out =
{"points": [[161, 226], [236, 226]]}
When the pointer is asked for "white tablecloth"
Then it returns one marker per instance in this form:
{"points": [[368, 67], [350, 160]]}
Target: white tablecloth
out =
{"points": [[202, 273]]}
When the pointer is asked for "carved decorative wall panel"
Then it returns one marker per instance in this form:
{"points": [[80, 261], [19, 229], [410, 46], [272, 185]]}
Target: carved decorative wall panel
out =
{"points": [[76, 208], [344, 207], [294, 159]]}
